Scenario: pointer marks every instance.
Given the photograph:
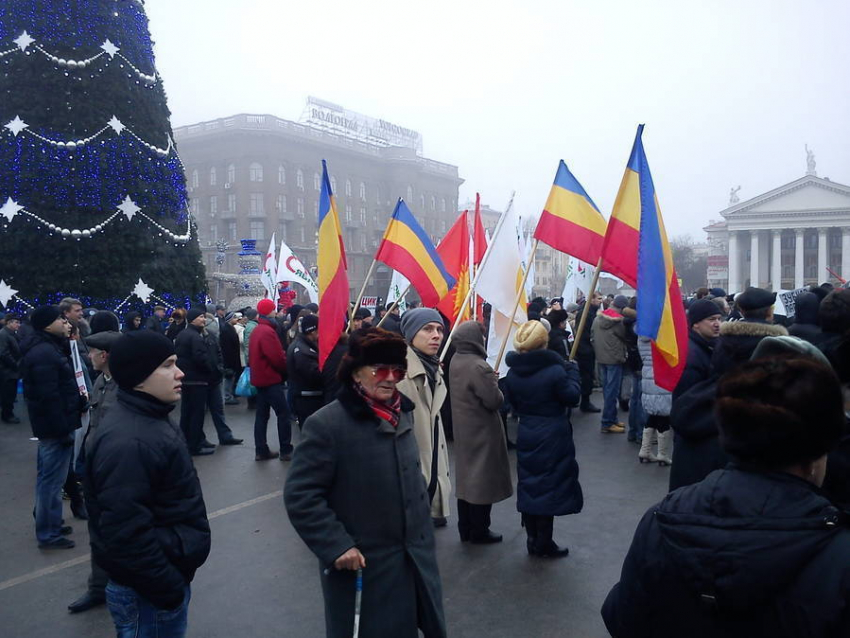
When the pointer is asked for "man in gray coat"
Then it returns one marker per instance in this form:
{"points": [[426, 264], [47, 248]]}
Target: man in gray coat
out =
{"points": [[609, 344], [356, 496]]}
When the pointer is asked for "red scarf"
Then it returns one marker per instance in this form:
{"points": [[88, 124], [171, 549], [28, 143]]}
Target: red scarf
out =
{"points": [[390, 412]]}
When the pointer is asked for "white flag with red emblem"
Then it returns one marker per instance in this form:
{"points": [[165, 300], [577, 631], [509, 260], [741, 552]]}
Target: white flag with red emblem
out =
{"points": [[268, 275]]}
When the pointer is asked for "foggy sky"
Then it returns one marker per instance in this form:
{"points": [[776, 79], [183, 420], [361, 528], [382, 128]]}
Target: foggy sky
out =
{"points": [[730, 91]]}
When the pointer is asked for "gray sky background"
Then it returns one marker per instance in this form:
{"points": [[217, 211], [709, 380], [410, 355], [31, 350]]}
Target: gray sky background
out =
{"points": [[730, 91]]}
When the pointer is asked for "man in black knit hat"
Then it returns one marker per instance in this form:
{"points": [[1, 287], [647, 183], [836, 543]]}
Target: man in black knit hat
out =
{"points": [[149, 527], [193, 358]]}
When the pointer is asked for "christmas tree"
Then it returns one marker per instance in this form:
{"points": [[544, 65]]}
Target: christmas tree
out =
{"points": [[93, 197]]}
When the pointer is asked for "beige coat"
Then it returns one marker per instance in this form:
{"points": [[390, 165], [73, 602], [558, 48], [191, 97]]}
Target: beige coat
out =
{"points": [[427, 422], [482, 469]]}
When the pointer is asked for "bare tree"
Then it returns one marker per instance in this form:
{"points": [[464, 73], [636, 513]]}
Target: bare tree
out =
{"points": [[690, 267]]}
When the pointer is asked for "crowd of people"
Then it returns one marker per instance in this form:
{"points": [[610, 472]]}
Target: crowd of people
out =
{"points": [[751, 539]]}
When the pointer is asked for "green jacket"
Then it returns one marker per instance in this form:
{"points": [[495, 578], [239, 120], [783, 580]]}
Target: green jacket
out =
{"points": [[249, 328]]}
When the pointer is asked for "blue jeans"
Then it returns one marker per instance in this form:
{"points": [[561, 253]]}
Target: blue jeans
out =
{"points": [[637, 417], [135, 617], [612, 377], [54, 460], [268, 399]]}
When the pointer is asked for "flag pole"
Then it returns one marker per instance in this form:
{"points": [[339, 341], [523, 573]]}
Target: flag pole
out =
{"points": [[480, 268], [584, 313], [356, 305], [395, 304], [519, 295]]}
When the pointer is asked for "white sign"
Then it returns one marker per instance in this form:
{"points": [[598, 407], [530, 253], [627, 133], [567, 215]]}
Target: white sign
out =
{"points": [[331, 116], [786, 302], [369, 302]]}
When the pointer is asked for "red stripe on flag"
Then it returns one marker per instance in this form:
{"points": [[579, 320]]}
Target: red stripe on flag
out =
{"points": [[333, 309], [407, 264], [620, 251], [570, 238], [667, 376]]}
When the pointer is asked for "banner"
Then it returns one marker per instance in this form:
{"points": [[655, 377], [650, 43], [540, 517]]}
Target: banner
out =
{"points": [[786, 301], [268, 275], [290, 268], [577, 285]]}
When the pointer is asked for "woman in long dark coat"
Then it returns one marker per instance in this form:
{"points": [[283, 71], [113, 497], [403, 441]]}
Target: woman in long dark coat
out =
{"points": [[482, 469], [356, 496], [541, 386]]}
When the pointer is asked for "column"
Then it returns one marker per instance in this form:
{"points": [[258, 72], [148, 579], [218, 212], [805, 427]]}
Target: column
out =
{"points": [[822, 275], [734, 266], [754, 258], [776, 260], [798, 257], [845, 253]]}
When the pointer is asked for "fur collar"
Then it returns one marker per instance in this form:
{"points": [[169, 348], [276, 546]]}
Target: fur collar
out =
{"points": [[356, 406], [751, 329]]}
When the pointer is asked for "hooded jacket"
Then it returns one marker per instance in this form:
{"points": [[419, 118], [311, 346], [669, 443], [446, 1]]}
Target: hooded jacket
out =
{"points": [[609, 338], [738, 340], [806, 324], [742, 553]]}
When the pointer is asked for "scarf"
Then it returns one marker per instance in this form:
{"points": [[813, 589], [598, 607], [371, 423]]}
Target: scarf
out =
{"points": [[431, 364], [390, 412]]}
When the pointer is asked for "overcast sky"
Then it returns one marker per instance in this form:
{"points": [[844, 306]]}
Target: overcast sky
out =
{"points": [[730, 91]]}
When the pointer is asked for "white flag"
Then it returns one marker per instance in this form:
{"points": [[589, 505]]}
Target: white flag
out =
{"points": [[290, 268], [527, 263], [577, 285], [269, 273], [398, 285]]}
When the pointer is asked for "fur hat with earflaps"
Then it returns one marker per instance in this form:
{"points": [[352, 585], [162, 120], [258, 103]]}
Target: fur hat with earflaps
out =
{"points": [[369, 347]]}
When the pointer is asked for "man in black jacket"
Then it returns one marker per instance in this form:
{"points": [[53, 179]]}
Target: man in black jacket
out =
{"points": [[10, 360], [149, 527], [193, 358], [704, 320], [585, 355], [156, 321], [304, 375], [229, 340], [55, 407], [215, 395]]}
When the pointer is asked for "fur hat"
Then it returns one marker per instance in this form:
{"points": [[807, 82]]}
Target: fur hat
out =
{"points": [[557, 317], [372, 346], [531, 336]]}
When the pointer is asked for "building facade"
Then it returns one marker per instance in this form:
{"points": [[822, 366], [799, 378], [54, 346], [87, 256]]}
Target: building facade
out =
{"points": [[792, 236], [249, 176]]}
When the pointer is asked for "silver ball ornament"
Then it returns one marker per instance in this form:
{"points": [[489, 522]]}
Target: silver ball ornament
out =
{"points": [[66, 232]]}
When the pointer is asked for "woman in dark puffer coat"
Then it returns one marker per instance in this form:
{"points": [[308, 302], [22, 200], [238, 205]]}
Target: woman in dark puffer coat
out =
{"points": [[540, 387]]}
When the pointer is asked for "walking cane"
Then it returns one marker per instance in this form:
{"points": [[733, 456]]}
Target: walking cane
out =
{"points": [[358, 597]]}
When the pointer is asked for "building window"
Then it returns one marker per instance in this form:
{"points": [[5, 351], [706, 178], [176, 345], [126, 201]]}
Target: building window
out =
{"points": [[213, 204], [316, 209], [214, 233], [258, 230], [299, 179], [410, 194], [283, 226], [362, 242], [281, 174], [317, 181], [195, 205], [363, 215], [378, 195], [281, 203], [442, 204], [302, 236], [213, 177], [787, 242], [333, 185], [257, 205], [348, 188], [231, 173], [422, 203], [231, 203], [348, 212], [433, 203], [812, 240], [363, 191], [299, 207], [195, 178], [231, 231], [255, 172]]}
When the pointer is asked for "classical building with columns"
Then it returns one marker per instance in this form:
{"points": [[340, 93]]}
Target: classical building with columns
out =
{"points": [[786, 238]]}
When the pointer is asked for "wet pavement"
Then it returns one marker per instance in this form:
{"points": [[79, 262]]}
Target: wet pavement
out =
{"points": [[260, 579]]}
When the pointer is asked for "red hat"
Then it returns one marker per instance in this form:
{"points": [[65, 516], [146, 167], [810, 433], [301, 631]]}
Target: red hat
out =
{"points": [[266, 307]]}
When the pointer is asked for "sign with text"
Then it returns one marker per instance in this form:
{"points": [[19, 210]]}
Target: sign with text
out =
{"points": [[369, 302], [785, 302]]}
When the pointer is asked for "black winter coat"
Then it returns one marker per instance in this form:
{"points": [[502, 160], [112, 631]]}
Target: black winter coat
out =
{"points": [[147, 517], [153, 323], [741, 554], [330, 379], [541, 387], [559, 341], [738, 341], [392, 323], [806, 325], [585, 346], [229, 340], [10, 354], [355, 480], [302, 361], [193, 356], [54, 402], [698, 365], [214, 355]]}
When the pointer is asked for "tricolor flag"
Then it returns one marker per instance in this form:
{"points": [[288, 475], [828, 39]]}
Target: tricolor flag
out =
{"points": [[454, 251], [637, 250], [333, 271], [571, 223], [407, 248]]}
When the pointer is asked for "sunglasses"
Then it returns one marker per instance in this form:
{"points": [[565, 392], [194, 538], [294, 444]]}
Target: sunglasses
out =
{"points": [[382, 373]]}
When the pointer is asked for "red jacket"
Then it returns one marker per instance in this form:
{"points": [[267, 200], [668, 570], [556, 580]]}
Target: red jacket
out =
{"points": [[266, 357]]}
